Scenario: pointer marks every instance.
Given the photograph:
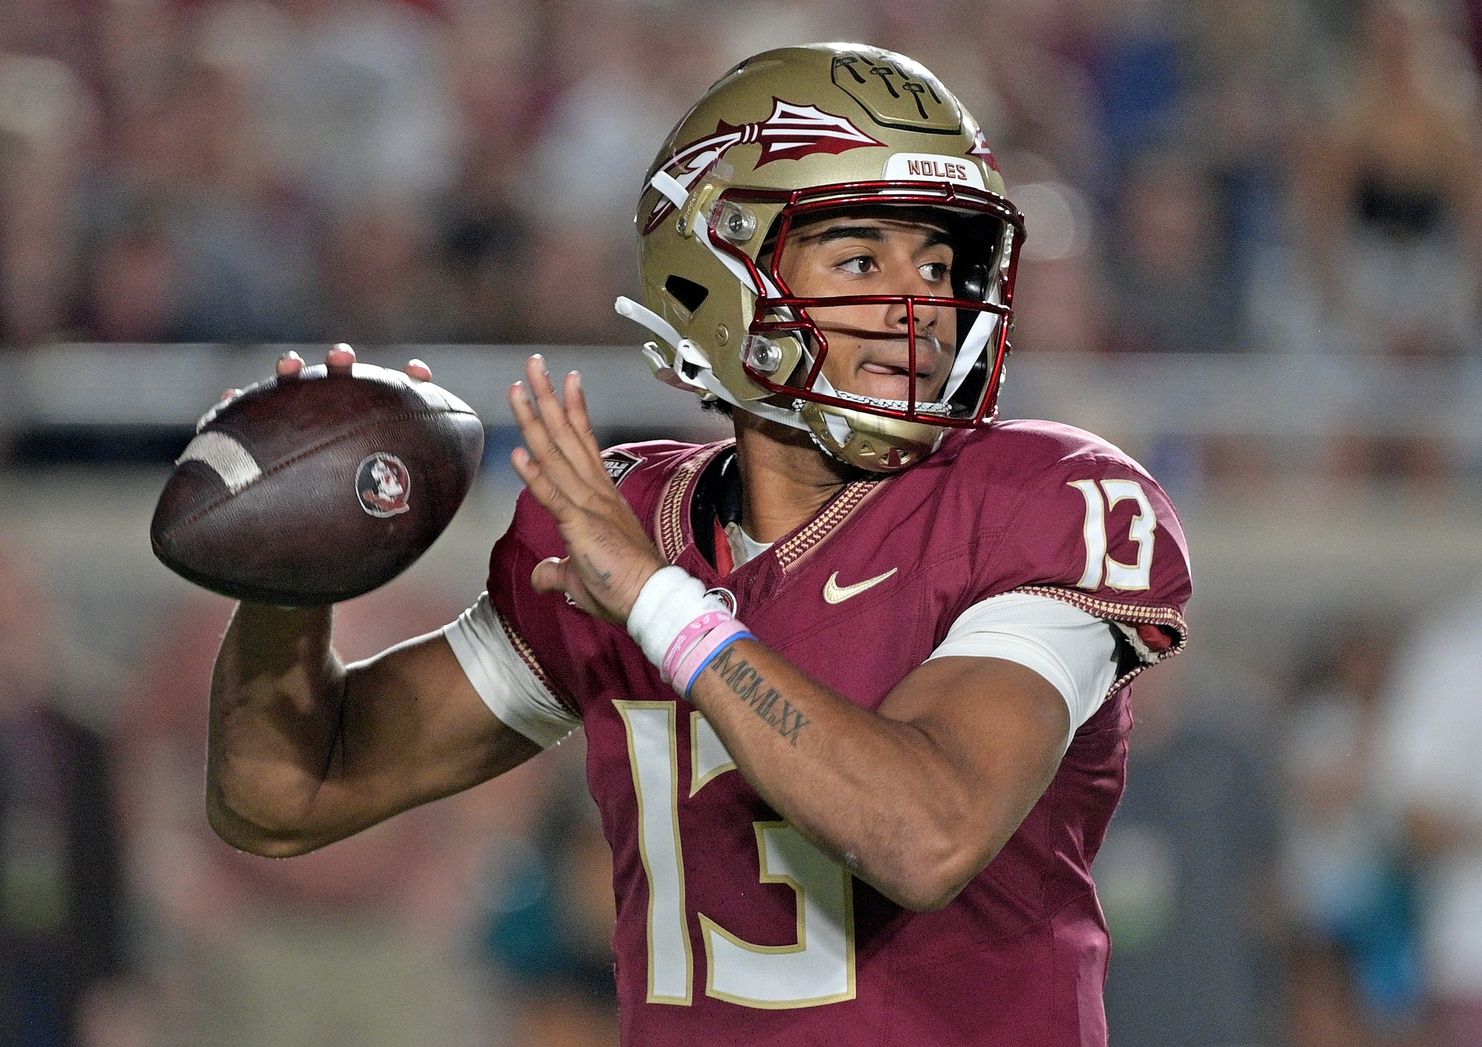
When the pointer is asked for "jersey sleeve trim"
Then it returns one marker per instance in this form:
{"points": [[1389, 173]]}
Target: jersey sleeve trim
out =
{"points": [[527, 655], [1168, 628], [502, 669]]}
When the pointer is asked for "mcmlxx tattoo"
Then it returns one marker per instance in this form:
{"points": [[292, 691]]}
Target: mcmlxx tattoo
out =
{"points": [[748, 685]]}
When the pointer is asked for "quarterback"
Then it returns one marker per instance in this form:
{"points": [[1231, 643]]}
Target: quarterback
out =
{"points": [[854, 684]]}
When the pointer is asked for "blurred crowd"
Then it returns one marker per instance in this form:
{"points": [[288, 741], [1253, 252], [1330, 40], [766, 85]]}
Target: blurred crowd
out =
{"points": [[1214, 175], [1199, 176]]}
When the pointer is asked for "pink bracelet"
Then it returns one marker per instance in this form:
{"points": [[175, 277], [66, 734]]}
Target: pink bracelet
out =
{"points": [[704, 652], [687, 638]]}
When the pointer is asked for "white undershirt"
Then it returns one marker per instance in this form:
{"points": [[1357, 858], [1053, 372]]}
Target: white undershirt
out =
{"points": [[743, 546], [503, 679], [1073, 650]]}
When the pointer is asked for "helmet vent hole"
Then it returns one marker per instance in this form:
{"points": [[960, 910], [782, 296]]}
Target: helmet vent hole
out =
{"points": [[687, 293]]}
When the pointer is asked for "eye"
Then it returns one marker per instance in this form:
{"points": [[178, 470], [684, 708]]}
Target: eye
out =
{"points": [[859, 265], [935, 272]]}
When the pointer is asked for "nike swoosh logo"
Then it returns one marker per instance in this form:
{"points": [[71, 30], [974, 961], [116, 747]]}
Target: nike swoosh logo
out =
{"points": [[833, 592]]}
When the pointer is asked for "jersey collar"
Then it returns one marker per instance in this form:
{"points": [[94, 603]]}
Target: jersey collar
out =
{"points": [[704, 492]]}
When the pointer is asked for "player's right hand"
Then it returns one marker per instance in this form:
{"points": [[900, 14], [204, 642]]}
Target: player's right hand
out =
{"points": [[339, 360]]}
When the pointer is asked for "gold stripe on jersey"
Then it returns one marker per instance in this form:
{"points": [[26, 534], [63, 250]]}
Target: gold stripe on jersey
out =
{"points": [[669, 518], [844, 503]]}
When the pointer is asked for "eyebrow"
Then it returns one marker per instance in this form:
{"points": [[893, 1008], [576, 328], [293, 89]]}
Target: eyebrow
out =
{"points": [[873, 233]]}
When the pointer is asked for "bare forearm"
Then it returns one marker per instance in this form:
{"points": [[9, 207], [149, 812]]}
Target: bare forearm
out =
{"points": [[874, 793], [305, 750], [276, 703]]}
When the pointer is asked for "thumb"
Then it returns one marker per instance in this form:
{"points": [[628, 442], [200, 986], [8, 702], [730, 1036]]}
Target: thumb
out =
{"points": [[549, 575]]}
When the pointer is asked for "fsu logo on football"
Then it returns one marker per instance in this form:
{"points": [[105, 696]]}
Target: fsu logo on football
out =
{"points": [[382, 483]]}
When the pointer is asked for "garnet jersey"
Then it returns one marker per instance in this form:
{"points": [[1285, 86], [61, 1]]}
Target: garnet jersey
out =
{"points": [[732, 929]]}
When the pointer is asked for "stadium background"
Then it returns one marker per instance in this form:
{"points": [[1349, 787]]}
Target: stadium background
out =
{"points": [[1254, 261]]}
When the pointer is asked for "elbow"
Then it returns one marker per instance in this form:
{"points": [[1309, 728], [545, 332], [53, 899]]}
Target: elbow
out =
{"points": [[245, 835], [937, 875], [929, 892]]}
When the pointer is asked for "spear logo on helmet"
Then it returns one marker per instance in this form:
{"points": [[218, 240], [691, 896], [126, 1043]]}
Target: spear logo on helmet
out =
{"points": [[790, 133], [982, 152]]}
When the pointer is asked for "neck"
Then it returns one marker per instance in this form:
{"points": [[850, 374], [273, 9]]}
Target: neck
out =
{"points": [[785, 478]]}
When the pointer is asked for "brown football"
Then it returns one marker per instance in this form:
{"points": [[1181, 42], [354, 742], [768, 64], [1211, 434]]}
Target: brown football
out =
{"points": [[314, 489]]}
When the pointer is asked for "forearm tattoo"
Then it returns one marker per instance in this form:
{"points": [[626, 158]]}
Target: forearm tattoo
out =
{"points": [[749, 685]]}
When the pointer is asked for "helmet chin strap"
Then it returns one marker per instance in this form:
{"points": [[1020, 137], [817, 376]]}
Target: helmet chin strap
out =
{"points": [[703, 381], [967, 353], [671, 188], [824, 386], [674, 191]]}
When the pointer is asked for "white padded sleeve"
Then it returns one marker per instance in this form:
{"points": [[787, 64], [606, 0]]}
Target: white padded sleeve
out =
{"points": [[1072, 649], [504, 681]]}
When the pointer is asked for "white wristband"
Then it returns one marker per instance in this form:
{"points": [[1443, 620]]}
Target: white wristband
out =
{"points": [[668, 601]]}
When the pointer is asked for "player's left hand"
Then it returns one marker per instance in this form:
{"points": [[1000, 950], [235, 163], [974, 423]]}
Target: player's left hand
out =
{"points": [[609, 556]]}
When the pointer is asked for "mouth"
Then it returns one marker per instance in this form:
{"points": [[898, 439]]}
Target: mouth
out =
{"points": [[893, 384], [896, 370]]}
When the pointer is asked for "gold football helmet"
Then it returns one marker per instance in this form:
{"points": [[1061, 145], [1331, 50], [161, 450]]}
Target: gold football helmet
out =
{"points": [[785, 137]]}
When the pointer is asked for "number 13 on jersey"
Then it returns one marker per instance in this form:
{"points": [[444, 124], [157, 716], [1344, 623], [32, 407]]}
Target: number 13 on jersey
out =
{"points": [[1102, 497], [816, 968]]}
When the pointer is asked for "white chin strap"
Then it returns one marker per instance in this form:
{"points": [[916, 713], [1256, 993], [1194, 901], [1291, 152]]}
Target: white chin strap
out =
{"points": [[703, 380], [679, 196], [841, 430], [967, 353]]}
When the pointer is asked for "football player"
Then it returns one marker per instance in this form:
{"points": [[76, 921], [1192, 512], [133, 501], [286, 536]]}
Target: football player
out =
{"points": [[855, 684]]}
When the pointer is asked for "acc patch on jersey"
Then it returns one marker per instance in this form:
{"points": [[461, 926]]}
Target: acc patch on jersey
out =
{"points": [[383, 484], [619, 463]]}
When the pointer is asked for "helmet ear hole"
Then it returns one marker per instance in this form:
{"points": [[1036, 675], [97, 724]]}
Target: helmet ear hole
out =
{"points": [[687, 293]]}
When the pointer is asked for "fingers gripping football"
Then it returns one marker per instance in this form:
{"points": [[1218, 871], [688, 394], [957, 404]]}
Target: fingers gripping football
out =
{"points": [[609, 556], [339, 360], [318, 484]]}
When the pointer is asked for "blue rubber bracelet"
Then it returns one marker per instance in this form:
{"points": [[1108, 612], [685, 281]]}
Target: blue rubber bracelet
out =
{"points": [[713, 655]]}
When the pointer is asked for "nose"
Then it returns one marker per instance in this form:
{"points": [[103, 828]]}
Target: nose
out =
{"points": [[898, 314]]}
